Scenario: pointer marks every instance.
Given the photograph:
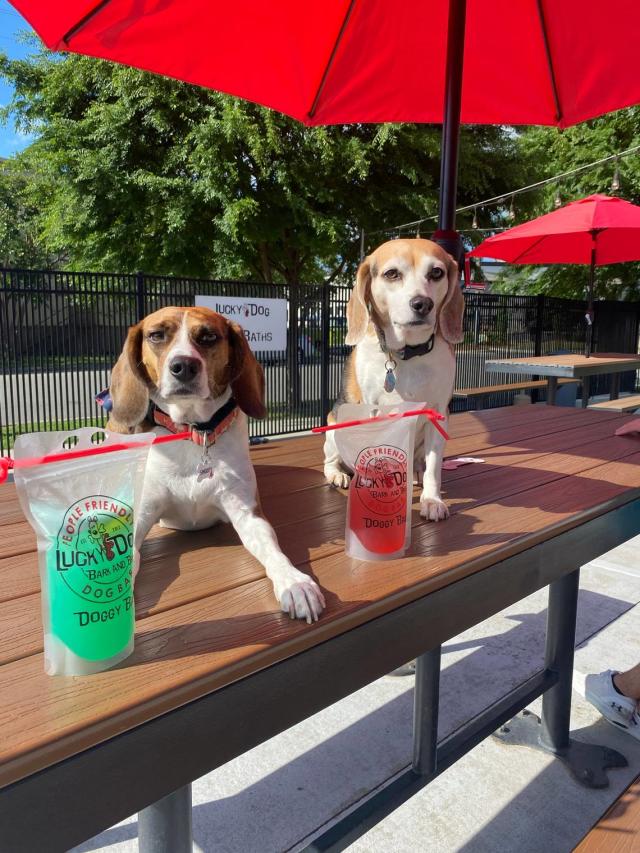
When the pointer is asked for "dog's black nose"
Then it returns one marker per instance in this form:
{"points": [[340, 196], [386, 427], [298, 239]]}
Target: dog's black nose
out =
{"points": [[421, 305], [184, 368]]}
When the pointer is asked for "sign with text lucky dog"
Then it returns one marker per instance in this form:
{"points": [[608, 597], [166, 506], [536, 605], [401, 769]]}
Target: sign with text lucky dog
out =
{"points": [[264, 320]]}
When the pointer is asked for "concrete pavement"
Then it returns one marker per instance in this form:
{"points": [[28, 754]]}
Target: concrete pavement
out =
{"points": [[285, 792]]}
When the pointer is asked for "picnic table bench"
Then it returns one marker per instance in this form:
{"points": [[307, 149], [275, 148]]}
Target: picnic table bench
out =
{"points": [[217, 669], [478, 394], [623, 404]]}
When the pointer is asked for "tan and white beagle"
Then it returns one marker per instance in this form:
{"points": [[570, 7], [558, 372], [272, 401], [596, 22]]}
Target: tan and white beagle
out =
{"points": [[403, 317], [190, 368]]}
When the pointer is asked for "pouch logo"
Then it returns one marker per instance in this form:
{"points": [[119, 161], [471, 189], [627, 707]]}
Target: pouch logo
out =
{"points": [[94, 549], [381, 479]]}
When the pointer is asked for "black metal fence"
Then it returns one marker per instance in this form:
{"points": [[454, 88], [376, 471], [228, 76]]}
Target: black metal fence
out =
{"points": [[61, 332]]}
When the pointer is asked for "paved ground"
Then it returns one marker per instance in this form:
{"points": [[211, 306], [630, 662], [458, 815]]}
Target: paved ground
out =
{"points": [[280, 795]]}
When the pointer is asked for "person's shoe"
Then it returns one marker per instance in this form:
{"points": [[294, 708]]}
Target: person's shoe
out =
{"points": [[405, 669], [617, 709]]}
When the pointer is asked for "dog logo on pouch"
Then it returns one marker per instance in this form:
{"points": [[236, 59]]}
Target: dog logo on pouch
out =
{"points": [[381, 479], [94, 549]]}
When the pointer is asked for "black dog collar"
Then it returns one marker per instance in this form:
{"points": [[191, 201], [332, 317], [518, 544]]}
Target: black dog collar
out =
{"points": [[407, 351]]}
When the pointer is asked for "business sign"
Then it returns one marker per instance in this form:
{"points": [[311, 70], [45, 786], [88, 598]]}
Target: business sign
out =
{"points": [[264, 320]]}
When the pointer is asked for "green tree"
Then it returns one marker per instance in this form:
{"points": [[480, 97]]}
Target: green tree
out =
{"points": [[149, 173], [561, 151], [21, 244]]}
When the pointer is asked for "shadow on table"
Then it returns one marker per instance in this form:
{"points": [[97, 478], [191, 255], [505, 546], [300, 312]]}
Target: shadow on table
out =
{"points": [[324, 775]]}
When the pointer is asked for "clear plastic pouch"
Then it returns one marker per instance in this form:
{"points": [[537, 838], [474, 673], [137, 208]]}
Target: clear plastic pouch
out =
{"points": [[82, 511], [380, 454]]}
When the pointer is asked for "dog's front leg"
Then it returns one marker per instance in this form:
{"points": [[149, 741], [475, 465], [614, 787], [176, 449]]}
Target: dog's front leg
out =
{"points": [[148, 515], [297, 593], [432, 507], [334, 469]]}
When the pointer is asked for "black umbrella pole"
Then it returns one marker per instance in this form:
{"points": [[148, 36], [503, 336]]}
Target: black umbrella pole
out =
{"points": [[588, 347], [446, 235]]}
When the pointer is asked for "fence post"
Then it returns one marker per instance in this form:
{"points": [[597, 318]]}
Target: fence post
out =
{"points": [[540, 306], [324, 353], [140, 300]]}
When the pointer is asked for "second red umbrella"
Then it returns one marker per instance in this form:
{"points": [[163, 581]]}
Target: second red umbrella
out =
{"points": [[596, 230]]}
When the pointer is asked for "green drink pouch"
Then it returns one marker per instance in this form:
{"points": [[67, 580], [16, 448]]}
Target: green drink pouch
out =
{"points": [[83, 512]]}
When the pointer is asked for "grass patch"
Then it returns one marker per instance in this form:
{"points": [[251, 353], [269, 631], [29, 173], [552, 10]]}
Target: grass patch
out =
{"points": [[8, 434]]}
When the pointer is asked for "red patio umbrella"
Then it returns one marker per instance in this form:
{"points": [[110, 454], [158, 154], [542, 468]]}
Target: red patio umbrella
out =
{"points": [[596, 230], [338, 61]]}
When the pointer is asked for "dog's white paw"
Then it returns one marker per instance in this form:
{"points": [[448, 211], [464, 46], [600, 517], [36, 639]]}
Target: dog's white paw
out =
{"points": [[337, 478], [300, 596], [433, 509]]}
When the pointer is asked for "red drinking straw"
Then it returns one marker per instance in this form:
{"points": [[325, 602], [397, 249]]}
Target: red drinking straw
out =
{"points": [[433, 416], [7, 463]]}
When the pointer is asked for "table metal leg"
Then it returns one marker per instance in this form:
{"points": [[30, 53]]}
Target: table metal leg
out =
{"points": [[587, 762], [614, 390], [425, 712], [561, 632], [552, 387], [165, 826], [585, 391]]}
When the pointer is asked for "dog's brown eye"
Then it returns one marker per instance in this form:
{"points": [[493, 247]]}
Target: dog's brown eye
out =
{"points": [[392, 274], [436, 273], [207, 337], [156, 337]]}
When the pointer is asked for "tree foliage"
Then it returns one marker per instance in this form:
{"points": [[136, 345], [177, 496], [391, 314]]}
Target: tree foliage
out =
{"points": [[557, 152], [20, 241], [148, 173]]}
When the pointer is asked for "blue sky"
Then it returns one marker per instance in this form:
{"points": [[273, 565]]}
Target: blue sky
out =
{"points": [[11, 23]]}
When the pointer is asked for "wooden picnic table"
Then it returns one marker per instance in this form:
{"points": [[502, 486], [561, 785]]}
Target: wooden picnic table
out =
{"points": [[218, 669], [569, 366]]}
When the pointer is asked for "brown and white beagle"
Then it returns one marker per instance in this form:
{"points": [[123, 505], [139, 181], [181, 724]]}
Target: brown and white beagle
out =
{"points": [[404, 315], [190, 368]]}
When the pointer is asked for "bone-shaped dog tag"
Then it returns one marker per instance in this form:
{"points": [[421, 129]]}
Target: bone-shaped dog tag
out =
{"points": [[204, 468], [204, 471]]}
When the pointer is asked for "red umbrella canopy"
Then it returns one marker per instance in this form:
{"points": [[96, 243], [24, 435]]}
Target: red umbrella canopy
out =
{"points": [[339, 61], [610, 226]]}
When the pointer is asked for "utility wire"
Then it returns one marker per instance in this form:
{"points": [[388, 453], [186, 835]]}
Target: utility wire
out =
{"points": [[507, 195]]}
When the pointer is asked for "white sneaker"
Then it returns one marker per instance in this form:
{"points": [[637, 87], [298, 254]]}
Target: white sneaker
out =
{"points": [[615, 708]]}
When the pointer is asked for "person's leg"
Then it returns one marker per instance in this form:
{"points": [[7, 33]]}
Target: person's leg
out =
{"points": [[628, 683]]}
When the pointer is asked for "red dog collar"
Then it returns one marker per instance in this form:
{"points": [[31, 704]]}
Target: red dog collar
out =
{"points": [[201, 433]]}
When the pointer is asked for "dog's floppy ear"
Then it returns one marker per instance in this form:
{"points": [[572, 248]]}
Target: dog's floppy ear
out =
{"points": [[452, 310], [247, 376], [129, 386], [358, 308]]}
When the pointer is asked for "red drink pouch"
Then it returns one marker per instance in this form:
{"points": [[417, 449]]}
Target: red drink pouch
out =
{"points": [[380, 454]]}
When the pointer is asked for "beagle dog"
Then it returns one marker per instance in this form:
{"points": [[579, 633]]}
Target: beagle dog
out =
{"points": [[403, 317], [191, 369]]}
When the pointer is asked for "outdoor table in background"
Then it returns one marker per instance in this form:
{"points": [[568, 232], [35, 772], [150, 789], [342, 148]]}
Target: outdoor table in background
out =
{"points": [[569, 366], [217, 669]]}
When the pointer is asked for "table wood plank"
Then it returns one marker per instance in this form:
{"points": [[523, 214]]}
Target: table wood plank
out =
{"points": [[172, 573], [573, 365], [191, 650], [21, 578], [618, 831]]}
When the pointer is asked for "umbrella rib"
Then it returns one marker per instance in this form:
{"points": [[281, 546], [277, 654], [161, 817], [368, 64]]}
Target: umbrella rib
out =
{"points": [[528, 249], [325, 73], [84, 20], [547, 50]]}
